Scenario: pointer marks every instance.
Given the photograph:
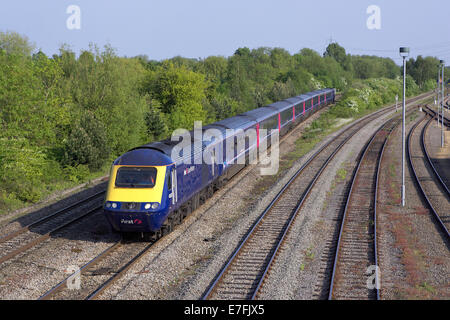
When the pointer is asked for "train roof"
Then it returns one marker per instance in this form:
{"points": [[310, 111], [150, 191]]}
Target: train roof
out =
{"points": [[198, 143], [143, 157], [146, 153], [290, 102], [295, 100], [236, 122], [281, 105]]}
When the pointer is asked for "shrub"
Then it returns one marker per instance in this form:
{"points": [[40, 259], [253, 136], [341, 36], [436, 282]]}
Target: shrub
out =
{"points": [[87, 143], [21, 169]]}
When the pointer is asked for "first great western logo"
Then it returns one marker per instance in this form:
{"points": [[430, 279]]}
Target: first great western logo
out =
{"points": [[131, 221]]}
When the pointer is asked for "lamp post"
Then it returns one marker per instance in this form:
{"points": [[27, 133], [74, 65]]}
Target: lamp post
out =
{"points": [[404, 52], [438, 92], [442, 105]]}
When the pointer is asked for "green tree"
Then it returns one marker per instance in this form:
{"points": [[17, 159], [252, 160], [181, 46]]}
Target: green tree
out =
{"points": [[423, 69], [87, 143], [16, 44], [155, 121], [335, 51], [180, 92]]}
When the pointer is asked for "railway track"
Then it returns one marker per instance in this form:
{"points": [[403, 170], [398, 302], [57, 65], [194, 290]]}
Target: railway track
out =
{"points": [[437, 168], [356, 252], [100, 273], [430, 184], [39, 231], [243, 274], [92, 279], [433, 113]]}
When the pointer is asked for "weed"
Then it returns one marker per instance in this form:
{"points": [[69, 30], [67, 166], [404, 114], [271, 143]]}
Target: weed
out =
{"points": [[309, 254], [342, 173]]}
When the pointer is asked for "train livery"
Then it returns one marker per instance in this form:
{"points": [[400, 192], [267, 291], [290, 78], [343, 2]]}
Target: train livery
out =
{"points": [[150, 190]]}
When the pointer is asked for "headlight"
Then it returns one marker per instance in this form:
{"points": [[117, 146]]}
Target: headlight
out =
{"points": [[147, 206], [108, 205], [114, 205], [155, 205]]}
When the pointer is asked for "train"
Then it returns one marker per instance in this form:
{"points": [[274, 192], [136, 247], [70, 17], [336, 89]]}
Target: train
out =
{"points": [[154, 187]]}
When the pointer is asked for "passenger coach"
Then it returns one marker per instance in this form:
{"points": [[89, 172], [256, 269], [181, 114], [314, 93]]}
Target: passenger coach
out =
{"points": [[150, 192]]}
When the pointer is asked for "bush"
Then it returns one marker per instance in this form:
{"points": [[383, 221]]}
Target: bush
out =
{"points": [[87, 143], [76, 174], [370, 94], [21, 169]]}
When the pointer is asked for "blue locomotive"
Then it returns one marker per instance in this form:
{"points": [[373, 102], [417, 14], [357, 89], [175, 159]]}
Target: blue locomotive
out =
{"points": [[154, 186]]}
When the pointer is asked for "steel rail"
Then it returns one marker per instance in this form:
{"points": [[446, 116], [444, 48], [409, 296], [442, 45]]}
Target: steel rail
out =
{"points": [[355, 174], [60, 286], [422, 191], [213, 287], [425, 150], [49, 217], [94, 294], [433, 113], [93, 262], [231, 259], [395, 121], [297, 209], [46, 236]]}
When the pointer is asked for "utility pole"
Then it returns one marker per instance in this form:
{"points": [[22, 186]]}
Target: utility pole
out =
{"points": [[404, 52]]}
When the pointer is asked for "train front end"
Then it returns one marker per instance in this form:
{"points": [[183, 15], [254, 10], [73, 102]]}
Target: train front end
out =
{"points": [[138, 197]]}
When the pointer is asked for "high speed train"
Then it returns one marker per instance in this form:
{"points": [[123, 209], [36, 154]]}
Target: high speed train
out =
{"points": [[152, 188]]}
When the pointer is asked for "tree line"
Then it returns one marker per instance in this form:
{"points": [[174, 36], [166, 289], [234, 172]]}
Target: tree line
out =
{"points": [[64, 118]]}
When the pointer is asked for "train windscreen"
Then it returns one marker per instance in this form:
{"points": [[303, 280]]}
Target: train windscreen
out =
{"points": [[136, 177]]}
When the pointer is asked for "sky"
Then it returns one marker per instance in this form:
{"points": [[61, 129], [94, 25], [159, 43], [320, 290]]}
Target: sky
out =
{"points": [[163, 29]]}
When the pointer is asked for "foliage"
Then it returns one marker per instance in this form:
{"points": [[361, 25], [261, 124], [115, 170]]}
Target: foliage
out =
{"points": [[21, 168], [423, 69], [15, 44], [155, 121], [180, 92], [367, 95], [65, 117], [87, 143]]}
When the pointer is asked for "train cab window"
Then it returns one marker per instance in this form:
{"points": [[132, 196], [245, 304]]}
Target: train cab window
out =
{"points": [[136, 177]]}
